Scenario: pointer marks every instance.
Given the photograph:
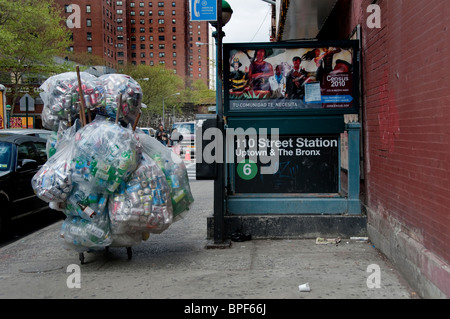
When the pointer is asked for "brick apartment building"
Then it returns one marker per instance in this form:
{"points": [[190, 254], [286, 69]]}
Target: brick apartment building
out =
{"points": [[141, 32], [405, 117]]}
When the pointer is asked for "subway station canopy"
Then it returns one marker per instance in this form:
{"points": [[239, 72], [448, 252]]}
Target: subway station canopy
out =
{"points": [[302, 19]]}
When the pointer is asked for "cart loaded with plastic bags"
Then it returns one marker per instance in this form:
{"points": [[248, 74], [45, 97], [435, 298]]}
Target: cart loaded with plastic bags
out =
{"points": [[115, 184]]}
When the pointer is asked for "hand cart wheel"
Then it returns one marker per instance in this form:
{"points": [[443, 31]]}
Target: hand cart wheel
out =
{"points": [[81, 256]]}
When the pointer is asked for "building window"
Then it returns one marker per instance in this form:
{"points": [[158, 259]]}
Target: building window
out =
{"points": [[174, 21], [173, 4], [119, 11], [160, 4], [68, 8], [142, 21], [142, 38], [133, 46], [162, 46], [132, 21], [174, 62], [141, 13], [120, 45], [119, 29], [161, 29], [162, 38], [89, 49], [141, 29], [133, 38], [160, 21], [133, 54], [143, 62], [119, 20], [142, 46], [88, 8], [142, 54], [161, 13], [151, 63], [141, 4], [118, 3], [120, 54], [150, 38], [132, 13], [174, 29], [150, 13], [88, 22], [150, 29], [132, 5], [133, 30], [174, 54], [120, 62], [89, 36], [150, 4], [162, 54], [174, 45]]}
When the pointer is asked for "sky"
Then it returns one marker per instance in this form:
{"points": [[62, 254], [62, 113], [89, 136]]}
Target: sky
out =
{"points": [[250, 22]]}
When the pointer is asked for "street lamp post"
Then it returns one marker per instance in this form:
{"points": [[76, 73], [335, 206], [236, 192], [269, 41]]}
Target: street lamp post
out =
{"points": [[224, 15], [164, 123]]}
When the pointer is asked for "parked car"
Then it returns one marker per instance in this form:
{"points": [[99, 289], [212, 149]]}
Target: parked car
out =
{"points": [[26, 131], [21, 156], [187, 129], [148, 130]]}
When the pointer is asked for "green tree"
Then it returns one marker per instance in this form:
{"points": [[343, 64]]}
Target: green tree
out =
{"points": [[31, 35], [201, 95]]}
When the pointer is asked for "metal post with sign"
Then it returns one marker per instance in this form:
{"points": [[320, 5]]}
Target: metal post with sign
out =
{"points": [[285, 104]]}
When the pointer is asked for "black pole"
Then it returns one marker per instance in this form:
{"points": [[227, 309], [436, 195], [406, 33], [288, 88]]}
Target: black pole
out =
{"points": [[219, 187]]}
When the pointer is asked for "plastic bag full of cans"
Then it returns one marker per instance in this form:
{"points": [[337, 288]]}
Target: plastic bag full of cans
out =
{"points": [[103, 95], [61, 97], [113, 191], [174, 171], [141, 205]]}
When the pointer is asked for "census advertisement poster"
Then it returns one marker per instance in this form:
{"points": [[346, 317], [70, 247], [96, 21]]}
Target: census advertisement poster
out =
{"points": [[314, 77]]}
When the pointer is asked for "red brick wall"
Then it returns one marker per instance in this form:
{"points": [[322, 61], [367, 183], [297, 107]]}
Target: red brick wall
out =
{"points": [[405, 114], [406, 118]]}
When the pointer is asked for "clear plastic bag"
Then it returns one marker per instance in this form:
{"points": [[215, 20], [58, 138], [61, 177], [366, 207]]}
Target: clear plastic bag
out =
{"points": [[81, 234], [116, 85], [53, 181], [61, 97], [142, 204], [105, 154], [174, 170]]}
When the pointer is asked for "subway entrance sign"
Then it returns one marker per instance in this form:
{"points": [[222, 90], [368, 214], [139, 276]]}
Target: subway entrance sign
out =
{"points": [[306, 164], [292, 109]]}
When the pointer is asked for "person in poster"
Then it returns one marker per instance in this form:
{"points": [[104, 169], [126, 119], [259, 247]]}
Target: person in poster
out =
{"points": [[259, 74], [278, 83], [238, 78], [295, 80]]}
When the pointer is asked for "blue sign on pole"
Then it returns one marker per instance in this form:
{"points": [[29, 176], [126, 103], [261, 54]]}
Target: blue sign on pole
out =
{"points": [[203, 10]]}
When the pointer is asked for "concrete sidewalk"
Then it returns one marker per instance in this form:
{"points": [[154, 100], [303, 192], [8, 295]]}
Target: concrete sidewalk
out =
{"points": [[176, 264]]}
